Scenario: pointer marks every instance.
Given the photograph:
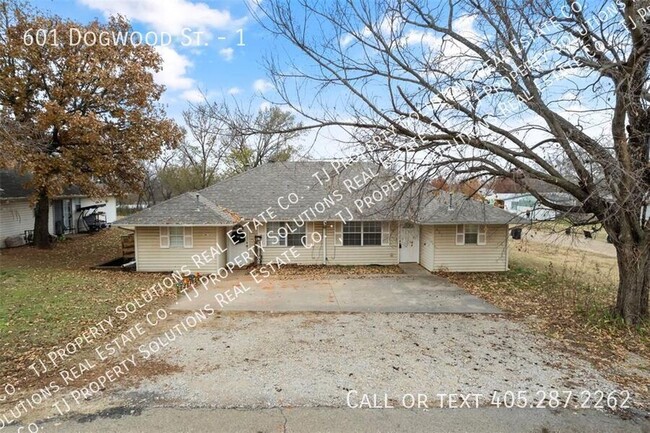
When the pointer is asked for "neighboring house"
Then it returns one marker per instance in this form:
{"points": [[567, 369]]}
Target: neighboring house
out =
{"points": [[513, 198], [17, 214], [523, 204], [281, 206]]}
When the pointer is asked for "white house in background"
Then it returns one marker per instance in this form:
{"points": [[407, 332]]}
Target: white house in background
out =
{"points": [[511, 196], [317, 212], [523, 204], [17, 214]]}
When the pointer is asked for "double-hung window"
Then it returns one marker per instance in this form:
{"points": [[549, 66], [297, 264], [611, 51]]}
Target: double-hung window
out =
{"points": [[276, 234], [286, 234], [352, 233], [296, 235], [371, 233], [176, 237], [471, 234], [360, 233]]}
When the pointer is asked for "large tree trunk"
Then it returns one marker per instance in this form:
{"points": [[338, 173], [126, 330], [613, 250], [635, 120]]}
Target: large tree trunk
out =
{"points": [[41, 220], [634, 282]]}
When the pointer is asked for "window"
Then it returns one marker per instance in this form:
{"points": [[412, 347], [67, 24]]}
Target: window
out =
{"points": [[352, 233], [283, 234], [372, 233], [296, 236], [276, 234], [357, 233], [471, 234], [176, 237]]}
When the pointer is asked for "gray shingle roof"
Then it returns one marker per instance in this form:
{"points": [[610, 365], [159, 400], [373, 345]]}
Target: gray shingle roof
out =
{"points": [[185, 209], [14, 185], [249, 194], [463, 211]]}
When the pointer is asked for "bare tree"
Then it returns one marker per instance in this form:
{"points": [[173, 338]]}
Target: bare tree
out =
{"points": [[492, 88], [256, 137], [204, 147]]}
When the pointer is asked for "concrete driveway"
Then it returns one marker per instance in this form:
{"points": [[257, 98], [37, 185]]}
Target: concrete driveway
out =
{"points": [[416, 291]]}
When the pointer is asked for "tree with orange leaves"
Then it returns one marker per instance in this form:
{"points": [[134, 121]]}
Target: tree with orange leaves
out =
{"points": [[74, 113]]}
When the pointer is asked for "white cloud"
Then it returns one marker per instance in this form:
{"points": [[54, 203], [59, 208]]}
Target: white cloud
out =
{"points": [[193, 95], [174, 70], [227, 54], [262, 85], [346, 39], [169, 15], [234, 91]]}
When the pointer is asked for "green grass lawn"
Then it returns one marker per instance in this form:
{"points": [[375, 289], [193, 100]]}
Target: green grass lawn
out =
{"points": [[41, 306], [47, 298]]}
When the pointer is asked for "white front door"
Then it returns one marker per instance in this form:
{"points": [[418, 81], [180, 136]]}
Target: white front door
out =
{"points": [[409, 243], [234, 251]]}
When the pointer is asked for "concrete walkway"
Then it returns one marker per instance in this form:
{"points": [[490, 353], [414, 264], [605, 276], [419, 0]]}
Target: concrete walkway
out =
{"points": [[167, 420], [417, 291]]}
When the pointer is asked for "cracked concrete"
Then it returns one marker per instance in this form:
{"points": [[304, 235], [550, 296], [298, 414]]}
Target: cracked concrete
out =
{"points": [[416, 292]]}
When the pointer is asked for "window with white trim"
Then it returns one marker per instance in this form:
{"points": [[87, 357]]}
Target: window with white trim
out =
{"points": [[362, 233], [176, 237], [352, 233], [471, 234], [286, 234], [276, 234], [371, 233], [296, 235]]}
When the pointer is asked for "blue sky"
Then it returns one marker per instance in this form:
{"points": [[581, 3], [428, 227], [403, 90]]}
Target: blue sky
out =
{"points": [[221, 68], [218, 66]]}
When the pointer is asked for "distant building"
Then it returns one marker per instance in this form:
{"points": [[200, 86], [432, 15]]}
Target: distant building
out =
{"points": [[513, 197], [17, 214]]}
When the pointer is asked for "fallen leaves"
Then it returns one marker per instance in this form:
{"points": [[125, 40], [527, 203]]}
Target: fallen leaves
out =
{"points": [[320, 271], [51, 296], [573, 313]]}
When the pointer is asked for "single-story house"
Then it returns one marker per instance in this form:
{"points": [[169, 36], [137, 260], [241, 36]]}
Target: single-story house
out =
{"points": [[323, 212], [17, 213]]}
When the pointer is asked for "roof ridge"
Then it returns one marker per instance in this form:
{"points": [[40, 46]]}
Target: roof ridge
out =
{"points": [[228, 179]]}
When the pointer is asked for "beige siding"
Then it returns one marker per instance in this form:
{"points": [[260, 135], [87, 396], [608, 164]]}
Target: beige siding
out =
{"points": [[15, 218], [365, 255], [152, 258], [470, 258], [306, 256], [338, 255], [426, 247]]}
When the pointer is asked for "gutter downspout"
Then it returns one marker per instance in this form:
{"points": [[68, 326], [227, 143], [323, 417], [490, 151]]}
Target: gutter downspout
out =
{"points": [[325, 242]]}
